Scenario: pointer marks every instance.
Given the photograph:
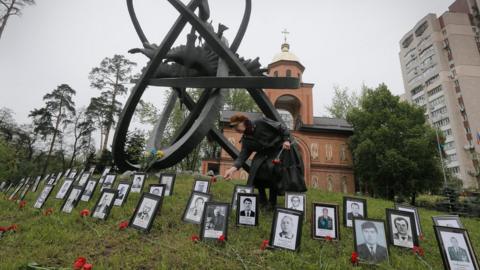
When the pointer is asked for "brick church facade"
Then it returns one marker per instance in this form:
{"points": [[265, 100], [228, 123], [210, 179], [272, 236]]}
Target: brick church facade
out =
{"points": [[322, 141]]}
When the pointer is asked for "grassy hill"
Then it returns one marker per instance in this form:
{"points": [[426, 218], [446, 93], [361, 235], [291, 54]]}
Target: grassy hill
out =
{"points": [[58, 239]]}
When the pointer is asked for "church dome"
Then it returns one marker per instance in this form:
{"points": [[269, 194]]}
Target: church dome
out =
{"points": [[285, 55]]}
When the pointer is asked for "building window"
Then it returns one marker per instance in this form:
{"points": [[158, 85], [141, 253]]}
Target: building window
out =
{"points": [[448, 132], [275, 73], [455, 170], [289, 73], [328, 151], [437, 101], [431, 80], [435, 90], [416, 90], [344, 184], [452, 157], [330, 183], [442, 122], [439, 112], [343, 152]]}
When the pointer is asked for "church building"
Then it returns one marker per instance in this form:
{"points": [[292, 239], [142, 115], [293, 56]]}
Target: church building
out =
{"points": [[322, 141]]}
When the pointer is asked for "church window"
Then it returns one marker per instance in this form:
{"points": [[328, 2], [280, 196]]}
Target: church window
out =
{"points": [[289, 73], [330, 183]]}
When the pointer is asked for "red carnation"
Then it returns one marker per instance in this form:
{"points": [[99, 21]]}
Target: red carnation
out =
{"points": [[79, 263], [87, 266], [354, 258], [13, 227], [417, 250], [421, 237], [195, 238], [221, 238], [84, 213], [3, 229], [264, 245], [276, 161], [22, 204], [49, 211], [123, 225], [213, 179], [328, 238]]}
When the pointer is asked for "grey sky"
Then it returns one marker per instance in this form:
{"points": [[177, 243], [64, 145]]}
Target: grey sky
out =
{"points": [[346, 42]]}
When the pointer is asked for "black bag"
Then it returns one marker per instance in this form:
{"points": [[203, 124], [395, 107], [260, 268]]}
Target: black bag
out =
{"points": [[290, 171]]}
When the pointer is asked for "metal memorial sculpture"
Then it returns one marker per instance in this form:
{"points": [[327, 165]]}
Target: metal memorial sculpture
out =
{"points": [[206, 62]]}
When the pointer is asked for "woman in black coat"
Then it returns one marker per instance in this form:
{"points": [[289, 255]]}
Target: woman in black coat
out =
{"points": [[267, 138]]}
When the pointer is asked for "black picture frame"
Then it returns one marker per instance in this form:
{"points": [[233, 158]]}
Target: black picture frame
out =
{"points": [[72, 174], [16, 190], [146, 199], [413, 209], [210, 225], [152, 187], [240, 189], [3, 185], [43, 196], [72, 199], [206, 182], [134, 188], [348, 217], [191, 209], [109, 184], [89, 190], [281, 240], [448, 221], [83, 179], [400, 217], [319, 229], [106, 171], [64, 189], [165, 178], [122, 196], [456, 258], [36, 183], [243, 217], [382, 249], [5, 191], [289, 203], [106, 205], [25, 190]]}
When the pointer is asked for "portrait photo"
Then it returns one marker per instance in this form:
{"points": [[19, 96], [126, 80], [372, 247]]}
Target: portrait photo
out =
{"points": [[109, 181], [104, 204], [247, 209], [201, 186], [456, 249], [194, 210], [401, 228], [448, 221], [52, 179], [286, 231], [72, 174], [239, 189], [122, 193], [16, 190], [296, 201], [215, 221], [89, 190], [168, 179], [157, 189], [147, 208], [72, 199], [370, 240], [325, 221], [104, 174], [413, 210], [42, 198], [64, 189], [353, 208], [138, 180], [84, 179]]}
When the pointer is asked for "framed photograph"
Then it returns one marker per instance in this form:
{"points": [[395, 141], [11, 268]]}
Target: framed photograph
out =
{"points": [[215, 221], [145, 212], [239, 189], [3, 185], [8, 188], [370, 240], [57, 179], [296, 201], [89, 190], [64, 189], [72, 199], [84, 178], [52, 179], [35, 183], [247, 209], [201, 186], [325, 221], [91, 171], [43, 197], [353, 208], [157, 189], [414, 210], [452, 221], [16, 190], [194, 210], [123, 191], [24, 191], [67, 172], [104, 203], [401, 228], [168, 179], [72, 174], [138, 182], [456, 248], [286, 231], [45, 179], [79, 175], [104, 173], [109, 181]]}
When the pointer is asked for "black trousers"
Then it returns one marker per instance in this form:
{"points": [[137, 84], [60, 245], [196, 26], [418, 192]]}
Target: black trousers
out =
{"points": [[265, 178]]}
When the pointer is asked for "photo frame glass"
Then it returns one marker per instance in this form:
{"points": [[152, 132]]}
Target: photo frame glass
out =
{"points": [[122, 193], [402, 229], [104, 173], [353, 208], [239, 189], [168, 179], [42, 198], [157, 189], [201, 186], [62, 192], [146, 211], [108, 181], [295, 201], [370, 240], [72, 199], [325, 222], [456, 248], [194, 210], [138, 181], [247, 209], [89, 190], [215, 221], [286, 229], [84, 178], [452, 221], [104, 204], [413, 210]]}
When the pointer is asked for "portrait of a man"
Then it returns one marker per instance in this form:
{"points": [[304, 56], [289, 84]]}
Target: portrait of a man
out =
{"points": [[144, 214], [247, 208], [353, 208], [371, 249], [286, 224], [403, 235], [102, 207], [455, 252], [325, 222], [215, 222], [195, 212]]}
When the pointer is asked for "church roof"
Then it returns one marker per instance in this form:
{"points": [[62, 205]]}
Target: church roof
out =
{"points": [[285, 55]]}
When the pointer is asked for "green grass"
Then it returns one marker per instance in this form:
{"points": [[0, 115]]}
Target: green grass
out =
{"points": [[57, 240]]}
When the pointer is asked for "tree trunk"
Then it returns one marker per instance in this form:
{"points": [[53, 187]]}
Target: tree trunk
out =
{"points": [[57, 124], [112, 112], [6, 17], [74, 153], [413, 199]]}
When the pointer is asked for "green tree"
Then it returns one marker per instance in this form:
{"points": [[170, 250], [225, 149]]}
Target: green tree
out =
{"points": [[58, 109], [240, 100], [343, 101], [393, 148], [111, 78], [82, 128], [135, 146], [11, 8]]}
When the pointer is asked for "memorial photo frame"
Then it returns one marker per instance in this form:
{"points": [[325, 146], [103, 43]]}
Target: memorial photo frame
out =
{"points": [[109, 181], [215, 221], [138, 181], [16, 190], [353, 207], [286, 231], [240, 189], [123, 189], [157, 189], [296, 201], [104, 204], [64, 189], [448, 221], [89, 190], [106, 171], [193, 212], [200, 185], [36, 183], [456, 249], [325, 221], [414, 210], [72, 199], [370, 240], [84, 178], [247, 209], [43, 196], [147, 209], [402, 231], [168, 179]]}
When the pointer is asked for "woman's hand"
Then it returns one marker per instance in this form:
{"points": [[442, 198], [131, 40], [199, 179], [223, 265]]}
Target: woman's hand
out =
{"points": [[286, 145], [229, 173]]}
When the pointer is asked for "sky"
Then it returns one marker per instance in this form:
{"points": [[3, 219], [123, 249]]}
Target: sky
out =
{"points": [[346, 43]]}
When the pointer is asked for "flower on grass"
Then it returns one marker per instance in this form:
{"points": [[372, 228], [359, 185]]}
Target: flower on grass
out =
{"points": [[354, 258], [79, 263], [221, 239], [160, 154], [48, 212], [328, 238], [13, 227], [421, 237], [417, 250], [22, 204], [195, 238], [123, 225], [84, 213], [264, 244], [87, 266], [213, 179], [3, 229]]}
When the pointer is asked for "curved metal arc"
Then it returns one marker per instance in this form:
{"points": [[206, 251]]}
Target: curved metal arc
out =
{"points": [[136, 24], [243, 26]]}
